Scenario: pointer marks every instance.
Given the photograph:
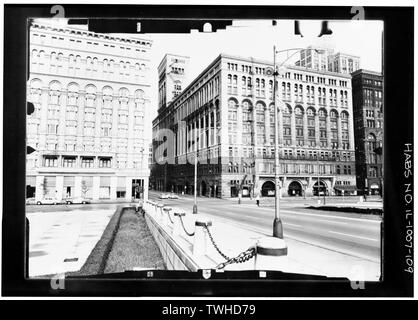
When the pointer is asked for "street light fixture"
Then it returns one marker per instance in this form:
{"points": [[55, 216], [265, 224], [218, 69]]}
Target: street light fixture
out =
{"points": [[195, 179], [277, 223]]}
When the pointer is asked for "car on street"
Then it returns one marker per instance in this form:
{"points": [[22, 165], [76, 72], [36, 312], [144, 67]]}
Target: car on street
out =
{"points": [[77, 200], [49, 200], [30, 200], [169, 196]]}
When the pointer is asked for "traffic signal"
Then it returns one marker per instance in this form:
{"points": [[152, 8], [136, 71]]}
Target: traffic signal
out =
{"points": [[29, 150], [30, 108]]}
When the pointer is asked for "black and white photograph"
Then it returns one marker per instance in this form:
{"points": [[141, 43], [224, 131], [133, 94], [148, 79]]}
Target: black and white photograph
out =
{"points": [[245, 148], [183, 129]]}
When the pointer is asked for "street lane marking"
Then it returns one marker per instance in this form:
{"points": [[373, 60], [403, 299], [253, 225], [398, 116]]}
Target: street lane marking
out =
{"points": [[292, 224], [350, 235], [328, 216]]}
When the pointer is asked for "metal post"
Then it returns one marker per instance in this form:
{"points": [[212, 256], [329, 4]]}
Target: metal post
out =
{"points": [[195, 183], [277, 223], [319, 193]]}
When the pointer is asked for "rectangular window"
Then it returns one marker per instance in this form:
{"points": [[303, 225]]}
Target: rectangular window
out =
{"points": [[53, 128], [69, 162], [104, 162], [87, 162], [50, 161]]}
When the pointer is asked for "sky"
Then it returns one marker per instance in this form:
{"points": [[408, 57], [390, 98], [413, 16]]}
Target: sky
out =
{"points": [[256, 38]]}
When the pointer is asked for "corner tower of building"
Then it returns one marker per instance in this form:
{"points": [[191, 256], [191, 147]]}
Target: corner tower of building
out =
{"points": [[172, 78]]}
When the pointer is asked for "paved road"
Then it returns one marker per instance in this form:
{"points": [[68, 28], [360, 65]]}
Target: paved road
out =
{"points": [[353, 234]]}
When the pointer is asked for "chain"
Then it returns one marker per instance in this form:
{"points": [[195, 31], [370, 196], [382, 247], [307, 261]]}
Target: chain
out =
{"points": [[169, 217], [188, 233], [214, 244], [242, 257]]}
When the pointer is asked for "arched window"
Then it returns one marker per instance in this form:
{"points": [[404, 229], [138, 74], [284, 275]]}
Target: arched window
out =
{"points": [[310, 112], [236, 167], [139, 100], [298, 111], [344, 115]]}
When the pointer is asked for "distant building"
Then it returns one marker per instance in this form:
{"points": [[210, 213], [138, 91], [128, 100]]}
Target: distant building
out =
{"points": [[314, 58], [226, 115], [368, 129], [324, 59], [90, 93], [343, 63]]}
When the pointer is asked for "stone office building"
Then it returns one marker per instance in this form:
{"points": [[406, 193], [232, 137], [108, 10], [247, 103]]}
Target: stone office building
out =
{"points": [[368, 130], [226, 115], [90, 92]]}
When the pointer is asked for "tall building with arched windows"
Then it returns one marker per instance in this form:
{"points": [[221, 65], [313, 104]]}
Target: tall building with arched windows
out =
{"points": [[89, 128], [226, 117]]}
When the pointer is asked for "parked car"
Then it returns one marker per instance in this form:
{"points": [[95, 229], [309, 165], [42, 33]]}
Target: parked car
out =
{"points": [[77, 200], [173, 196], [165, 196], [49, 200], [30, 201]]}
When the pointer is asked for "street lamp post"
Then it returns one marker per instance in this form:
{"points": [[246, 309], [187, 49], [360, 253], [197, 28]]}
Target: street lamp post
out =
{"points": [[195, 183], [277, 223]]}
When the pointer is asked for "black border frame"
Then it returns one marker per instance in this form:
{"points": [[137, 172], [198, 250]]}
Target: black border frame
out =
{"points": [[398, 123]]}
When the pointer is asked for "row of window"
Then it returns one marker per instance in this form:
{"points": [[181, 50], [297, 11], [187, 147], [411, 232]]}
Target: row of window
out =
{"points": [[56, 89], [287, 75], [55, 39], [268, 153], [234, 167], [89, 66], [88, 130], [70, 162]]}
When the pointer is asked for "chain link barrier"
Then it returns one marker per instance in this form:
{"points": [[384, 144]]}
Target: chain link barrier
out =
{"points": [[169, 217], [190, 234], [242, 257]]}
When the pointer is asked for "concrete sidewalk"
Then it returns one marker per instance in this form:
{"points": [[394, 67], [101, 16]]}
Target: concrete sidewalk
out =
{"points": [[232, 239], [61, 241]]}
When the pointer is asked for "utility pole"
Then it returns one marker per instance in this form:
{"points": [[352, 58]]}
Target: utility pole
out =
{"points": [[277, 223]]}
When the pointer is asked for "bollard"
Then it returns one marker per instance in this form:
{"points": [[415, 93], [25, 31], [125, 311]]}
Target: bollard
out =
{"points": [[166, 218], [201, 238], [361, 199], [160, 207], [177, 228], [271, 254]]}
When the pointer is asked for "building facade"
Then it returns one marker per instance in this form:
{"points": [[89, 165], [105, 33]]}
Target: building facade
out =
{"points": [[314, 58], [226, 117], [172, 77], [368, 130], [343, 63], [90, 92]]}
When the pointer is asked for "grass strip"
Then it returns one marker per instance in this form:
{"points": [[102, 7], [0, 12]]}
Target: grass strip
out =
{"points": [[133, 246], [372, 211], [96, 261]]}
